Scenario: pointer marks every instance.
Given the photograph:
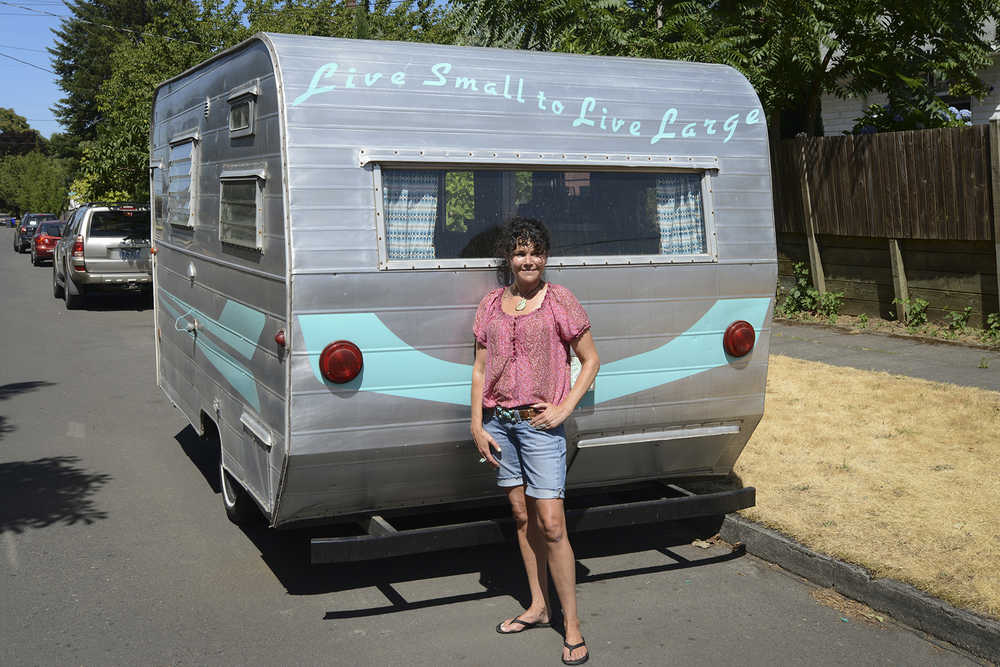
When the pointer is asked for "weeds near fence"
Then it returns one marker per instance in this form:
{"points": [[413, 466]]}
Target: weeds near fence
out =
{"points": [[804, 298], [991, 330], [915, 312]]}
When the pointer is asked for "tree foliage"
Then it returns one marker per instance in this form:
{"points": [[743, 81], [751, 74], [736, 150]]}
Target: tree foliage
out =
{"points": [[180, 34], [16, 136], [32, 182], [83, 43], [792, 51]]}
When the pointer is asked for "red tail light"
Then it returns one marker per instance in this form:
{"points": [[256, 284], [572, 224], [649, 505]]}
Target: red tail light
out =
{"points": [[739, 339], [340, 362], [78, 261]]}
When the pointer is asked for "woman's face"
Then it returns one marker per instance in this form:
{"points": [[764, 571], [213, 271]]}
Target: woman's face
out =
{"points": [[526, 263]]}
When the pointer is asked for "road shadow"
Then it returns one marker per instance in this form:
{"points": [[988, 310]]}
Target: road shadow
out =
{"points": [[13, 389], [499, 568], [107, 301], [40, 493], [204, 454]]}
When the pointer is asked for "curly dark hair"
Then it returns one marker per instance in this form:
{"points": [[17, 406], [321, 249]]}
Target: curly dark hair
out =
{"points": [[514, 231]]}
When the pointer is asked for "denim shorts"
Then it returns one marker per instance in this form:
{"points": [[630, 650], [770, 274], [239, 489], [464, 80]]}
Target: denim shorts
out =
{"points": [[530, 457]]}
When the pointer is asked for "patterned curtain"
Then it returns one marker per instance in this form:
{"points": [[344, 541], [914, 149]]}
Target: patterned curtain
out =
{"points": [[410, 200], [679, 214]]}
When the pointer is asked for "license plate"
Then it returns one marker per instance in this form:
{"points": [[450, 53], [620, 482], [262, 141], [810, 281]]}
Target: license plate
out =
{"points": [[129, 254]]}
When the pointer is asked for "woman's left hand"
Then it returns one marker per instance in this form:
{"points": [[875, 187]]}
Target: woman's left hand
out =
{"points": [[551, 415]]}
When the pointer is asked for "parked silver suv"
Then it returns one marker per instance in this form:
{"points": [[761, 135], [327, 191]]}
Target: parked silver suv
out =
{"points": [[104, 247]]}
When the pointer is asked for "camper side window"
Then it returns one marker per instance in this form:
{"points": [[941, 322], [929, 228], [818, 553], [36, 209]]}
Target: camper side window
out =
{"points": [[180, 180], [241, 117], [239, 212], [616, 216]]}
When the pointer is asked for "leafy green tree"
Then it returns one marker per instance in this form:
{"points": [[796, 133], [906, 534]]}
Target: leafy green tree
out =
{"points": [[83, 43], [32, 182], [792, 51], [16, 135], [113, 161]]}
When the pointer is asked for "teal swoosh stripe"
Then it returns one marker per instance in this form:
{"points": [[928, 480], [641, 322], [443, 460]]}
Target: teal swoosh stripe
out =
{"points": [[239, 377], [395, 368], [238, 326]]}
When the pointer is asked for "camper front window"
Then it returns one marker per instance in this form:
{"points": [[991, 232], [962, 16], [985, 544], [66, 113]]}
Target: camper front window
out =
{"points": [[455, 214]]}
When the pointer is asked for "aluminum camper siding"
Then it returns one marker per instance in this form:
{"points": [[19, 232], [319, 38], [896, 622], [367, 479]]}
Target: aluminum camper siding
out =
{"points": [[377, 444], [229, 370]]}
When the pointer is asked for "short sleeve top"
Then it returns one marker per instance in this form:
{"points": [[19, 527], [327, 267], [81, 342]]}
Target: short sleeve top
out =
{"points": [[527, 356]]}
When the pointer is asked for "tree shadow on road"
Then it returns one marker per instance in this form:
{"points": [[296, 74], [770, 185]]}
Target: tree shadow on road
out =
{"points": [[13, 389], [36, 494]]}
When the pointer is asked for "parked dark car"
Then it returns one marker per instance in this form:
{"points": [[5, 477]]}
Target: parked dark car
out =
{"points": [[25, 230], [44, 241]]}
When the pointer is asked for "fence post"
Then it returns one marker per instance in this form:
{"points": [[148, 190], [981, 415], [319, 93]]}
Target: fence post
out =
{"points": [[815, 261], [899, 284], [995, 181]]}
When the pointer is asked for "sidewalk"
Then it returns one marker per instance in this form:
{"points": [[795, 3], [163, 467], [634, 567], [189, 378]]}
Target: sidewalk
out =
{"points": [[939, 362]]}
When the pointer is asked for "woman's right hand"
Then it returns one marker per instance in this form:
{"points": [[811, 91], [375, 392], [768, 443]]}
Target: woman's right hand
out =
{"points": [[485, 444]]}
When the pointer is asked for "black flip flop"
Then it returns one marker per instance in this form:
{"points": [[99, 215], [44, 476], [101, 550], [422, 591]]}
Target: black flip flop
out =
{"points": [[578, 661], [525, 624]]}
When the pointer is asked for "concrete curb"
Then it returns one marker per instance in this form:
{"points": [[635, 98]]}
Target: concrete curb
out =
{"points": [[972, 632]]}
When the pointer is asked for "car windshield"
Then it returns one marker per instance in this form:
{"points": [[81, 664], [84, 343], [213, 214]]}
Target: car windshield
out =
{"points": [[50, 228], [133, 224]]}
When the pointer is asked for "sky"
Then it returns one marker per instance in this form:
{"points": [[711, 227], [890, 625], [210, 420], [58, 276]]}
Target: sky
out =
{"points": [[25, 35]]}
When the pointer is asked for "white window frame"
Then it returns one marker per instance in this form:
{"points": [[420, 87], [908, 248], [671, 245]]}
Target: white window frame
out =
{"points": [[244, 94], [258, 177], [708, 167], [191, 137]]}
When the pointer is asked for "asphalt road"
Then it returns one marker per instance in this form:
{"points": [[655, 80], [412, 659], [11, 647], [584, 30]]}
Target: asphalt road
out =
{"points": [[115, 549]]}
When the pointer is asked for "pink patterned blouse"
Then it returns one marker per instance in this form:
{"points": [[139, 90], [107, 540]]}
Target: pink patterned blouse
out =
{"points": [[527, 358]]}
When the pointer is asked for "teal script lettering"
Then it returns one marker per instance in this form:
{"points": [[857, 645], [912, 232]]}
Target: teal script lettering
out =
{"points": [[324, 72]]}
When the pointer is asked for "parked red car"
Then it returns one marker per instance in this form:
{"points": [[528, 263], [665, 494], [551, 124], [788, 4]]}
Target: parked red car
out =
{"points": [[44, 241]]}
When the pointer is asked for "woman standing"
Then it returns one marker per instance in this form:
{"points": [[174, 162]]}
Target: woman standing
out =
{"points": [[521, 396]]}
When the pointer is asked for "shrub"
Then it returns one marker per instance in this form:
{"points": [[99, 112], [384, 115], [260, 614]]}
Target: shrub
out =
{"points": [[916, 311], [958, 321], [991, 328]]}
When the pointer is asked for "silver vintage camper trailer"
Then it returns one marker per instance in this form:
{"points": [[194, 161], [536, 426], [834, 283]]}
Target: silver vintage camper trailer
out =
{"points": [[323, 220]]}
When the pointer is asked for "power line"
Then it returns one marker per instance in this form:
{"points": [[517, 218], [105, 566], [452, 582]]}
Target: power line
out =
{"points": [[25, 62], [22, 48], [103, 25]]}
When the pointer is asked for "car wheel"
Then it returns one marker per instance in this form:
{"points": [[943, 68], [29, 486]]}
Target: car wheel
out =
{"points": [[75, 295], [240, 507], [57, 290]]}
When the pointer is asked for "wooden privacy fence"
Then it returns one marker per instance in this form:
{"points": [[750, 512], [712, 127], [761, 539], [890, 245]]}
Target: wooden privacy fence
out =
{"points": [[893, 209]]}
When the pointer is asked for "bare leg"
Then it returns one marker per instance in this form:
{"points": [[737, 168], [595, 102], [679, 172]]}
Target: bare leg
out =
{"points": [[562, 566], [533, 552]]}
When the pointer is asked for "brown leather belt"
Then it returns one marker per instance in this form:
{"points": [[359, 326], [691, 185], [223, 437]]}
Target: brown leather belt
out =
{"points": [[524, 413]]}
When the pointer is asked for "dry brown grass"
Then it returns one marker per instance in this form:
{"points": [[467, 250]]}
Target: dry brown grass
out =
{"points": [[896, 474]]}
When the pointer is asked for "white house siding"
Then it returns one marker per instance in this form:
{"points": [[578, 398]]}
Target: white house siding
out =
{"points": [[839, 115]]}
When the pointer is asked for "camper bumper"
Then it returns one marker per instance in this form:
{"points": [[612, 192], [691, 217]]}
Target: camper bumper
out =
{"points": [[382, 539]]}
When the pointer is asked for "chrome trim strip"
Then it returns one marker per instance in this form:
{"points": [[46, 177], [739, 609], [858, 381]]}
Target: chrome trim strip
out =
{"points": [[694, 431], [639, 161], [222, 262]]}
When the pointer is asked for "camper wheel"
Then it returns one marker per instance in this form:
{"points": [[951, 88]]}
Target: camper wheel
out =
{"points": [[239, 505]]}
